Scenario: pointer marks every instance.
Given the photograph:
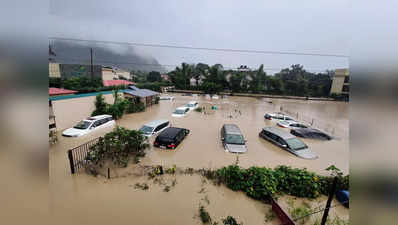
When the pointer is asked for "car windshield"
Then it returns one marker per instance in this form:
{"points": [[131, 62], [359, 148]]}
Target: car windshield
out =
{"points": [[190, 105], [295, 144], [82, 125], [234, 139], [179, 111], [146, 130]]}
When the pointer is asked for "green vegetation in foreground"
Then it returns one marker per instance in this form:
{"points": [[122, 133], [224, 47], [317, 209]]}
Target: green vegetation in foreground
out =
{"points": [[117, 146], [261, 183], [204, 215]]}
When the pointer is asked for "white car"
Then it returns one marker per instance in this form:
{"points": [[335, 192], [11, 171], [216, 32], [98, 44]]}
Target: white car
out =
{"points": [[278, 117], [89, 125], [192, 105], [154, 127], [214, 97], [166, 97], [180, 112], [291, 124]]}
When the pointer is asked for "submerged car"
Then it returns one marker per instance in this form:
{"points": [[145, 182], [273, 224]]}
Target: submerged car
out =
{"points": [[310, 133], [215, 97], [287, 141], [232, 139], [170, 138], [192, 105], [180, 112], [186, 94], [278, 117], [154, 127], [166, 97], [291, 124], [88, 125]]}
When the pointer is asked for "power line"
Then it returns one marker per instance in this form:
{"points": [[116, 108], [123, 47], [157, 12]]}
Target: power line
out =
{"points": [[201, 48], [171, 65]]}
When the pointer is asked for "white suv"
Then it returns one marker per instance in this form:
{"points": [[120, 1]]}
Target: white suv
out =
{"points": [[88, 125], [192, 105], [154, 127], [278, 117]]}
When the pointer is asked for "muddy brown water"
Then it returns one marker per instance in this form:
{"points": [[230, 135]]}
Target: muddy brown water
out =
{"points": [[84, 199]]}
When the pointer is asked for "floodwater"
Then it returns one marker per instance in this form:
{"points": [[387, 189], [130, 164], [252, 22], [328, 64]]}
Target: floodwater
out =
{"points": [[84, 199]]}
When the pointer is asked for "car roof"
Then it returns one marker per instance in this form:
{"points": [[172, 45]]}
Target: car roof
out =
{"points": [[155, 123], [170, 132], [279, 132], [232, 129], [98, 117], [192, 102], [182, 107]]}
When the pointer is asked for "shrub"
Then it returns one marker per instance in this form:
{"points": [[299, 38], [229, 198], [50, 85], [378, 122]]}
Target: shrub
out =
{"points": [[199, 109], [117, 146], [133, 107], [100, 106], [204, 215], [230, 221]]}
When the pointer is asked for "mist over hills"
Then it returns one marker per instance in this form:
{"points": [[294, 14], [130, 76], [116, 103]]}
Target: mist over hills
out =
{"points": [[123, 57]]}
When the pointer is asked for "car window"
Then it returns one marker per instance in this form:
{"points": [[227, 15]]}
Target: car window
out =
{"points": [[158, 128], [97, 123], [187, 109], [234, 139], [296, 144], [146, 129], [82, 125]]}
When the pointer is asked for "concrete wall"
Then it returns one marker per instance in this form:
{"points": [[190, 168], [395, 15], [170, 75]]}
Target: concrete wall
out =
{"points": [[338, 80], [53, 70], [70, 111]]}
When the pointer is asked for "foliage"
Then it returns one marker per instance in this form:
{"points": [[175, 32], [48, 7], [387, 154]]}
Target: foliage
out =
{"points": [[143, 186], [116, 109], [300, 213], [199, 109], [261, 183], [117, 146], [155, 86], [230, 221], [133, 107], [53, 138], [154, 76], [157, 100], [204, 215], [101, 107]]}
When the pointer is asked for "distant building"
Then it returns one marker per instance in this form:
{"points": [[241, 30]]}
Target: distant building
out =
{"points": [[165, 77], [341, 82], [59, 91], [108, 83], [145, 96], [53, 70]]}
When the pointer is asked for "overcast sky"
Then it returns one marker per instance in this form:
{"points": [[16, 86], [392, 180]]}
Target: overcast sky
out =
{"points": [[309, 26]]}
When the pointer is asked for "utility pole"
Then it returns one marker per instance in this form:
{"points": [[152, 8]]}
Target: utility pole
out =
{"points": [[92, 66], [329, 202]]}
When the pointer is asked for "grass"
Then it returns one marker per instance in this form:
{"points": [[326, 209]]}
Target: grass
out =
{"points": [[230, 221], [199, 109], [299, 211]]}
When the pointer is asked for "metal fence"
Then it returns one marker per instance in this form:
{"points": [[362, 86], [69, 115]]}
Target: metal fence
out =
{"points": [[77, 156]]}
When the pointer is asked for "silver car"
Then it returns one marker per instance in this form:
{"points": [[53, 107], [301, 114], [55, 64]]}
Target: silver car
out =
{"points": [[232, 139], [287, 142]]}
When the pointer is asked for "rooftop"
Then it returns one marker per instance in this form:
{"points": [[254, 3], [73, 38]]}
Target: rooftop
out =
{"points": [[133, 90], [108, 83], [279, 132], [60, 91]]}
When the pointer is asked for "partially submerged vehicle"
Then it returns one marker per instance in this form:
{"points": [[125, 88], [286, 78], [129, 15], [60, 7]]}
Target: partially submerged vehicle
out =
{"points": [[278, 116], [310, 133], [166, 97], [232, 139], [214, 97], [192, 105], [170, 138], [291, 124], [154, 127], [180, 111], [287, 141], [89, 125]]}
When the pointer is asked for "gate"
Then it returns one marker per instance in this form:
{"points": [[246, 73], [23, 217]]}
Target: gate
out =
{"points": [[77, 156]]}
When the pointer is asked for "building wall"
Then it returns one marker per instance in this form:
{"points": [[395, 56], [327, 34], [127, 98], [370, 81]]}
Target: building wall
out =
{"points": [[108, 74], [338, 81], [53, 70], [70, 111], [123, 73], [78, 70]]}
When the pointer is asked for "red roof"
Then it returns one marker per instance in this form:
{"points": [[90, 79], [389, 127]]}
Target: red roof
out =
{"points": [[108, 83], [60, 91]]}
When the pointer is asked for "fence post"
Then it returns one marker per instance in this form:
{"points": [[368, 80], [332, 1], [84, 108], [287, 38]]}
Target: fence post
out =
{"points": [[329, 202], [109, 173], [72, 165]]}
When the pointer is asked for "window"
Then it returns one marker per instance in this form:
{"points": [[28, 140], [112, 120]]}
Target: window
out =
{"points": [[97, 123]]}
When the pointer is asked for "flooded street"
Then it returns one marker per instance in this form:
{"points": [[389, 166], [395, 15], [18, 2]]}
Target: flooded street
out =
{"points": [[84, 199]]}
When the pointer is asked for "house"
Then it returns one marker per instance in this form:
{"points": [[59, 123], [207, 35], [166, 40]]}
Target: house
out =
{"points": [[145, 96], [341, 82], [108, 83], [165, 77], [51, 116], [59, 91]]}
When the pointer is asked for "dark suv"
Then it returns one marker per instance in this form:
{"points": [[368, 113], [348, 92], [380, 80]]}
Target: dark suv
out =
{"points": [[171, 137]]}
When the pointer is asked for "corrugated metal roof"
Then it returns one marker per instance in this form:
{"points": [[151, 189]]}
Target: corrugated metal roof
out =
{"points": [[59, 91], [108, 83], [140, 92]]}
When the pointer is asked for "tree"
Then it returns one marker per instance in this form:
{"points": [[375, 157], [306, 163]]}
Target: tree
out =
{"points": [[211, 87], [154, 76], [200, 71], [180, 76], [101, 107]]}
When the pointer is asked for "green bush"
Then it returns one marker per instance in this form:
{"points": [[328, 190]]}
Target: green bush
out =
{"points": [[117, 146], [204, 215], [261, 183], [135, 107], [230, 221]]}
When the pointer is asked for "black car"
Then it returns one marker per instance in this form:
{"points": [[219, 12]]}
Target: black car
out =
{"points": [[171, 137], [310, 133]]}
